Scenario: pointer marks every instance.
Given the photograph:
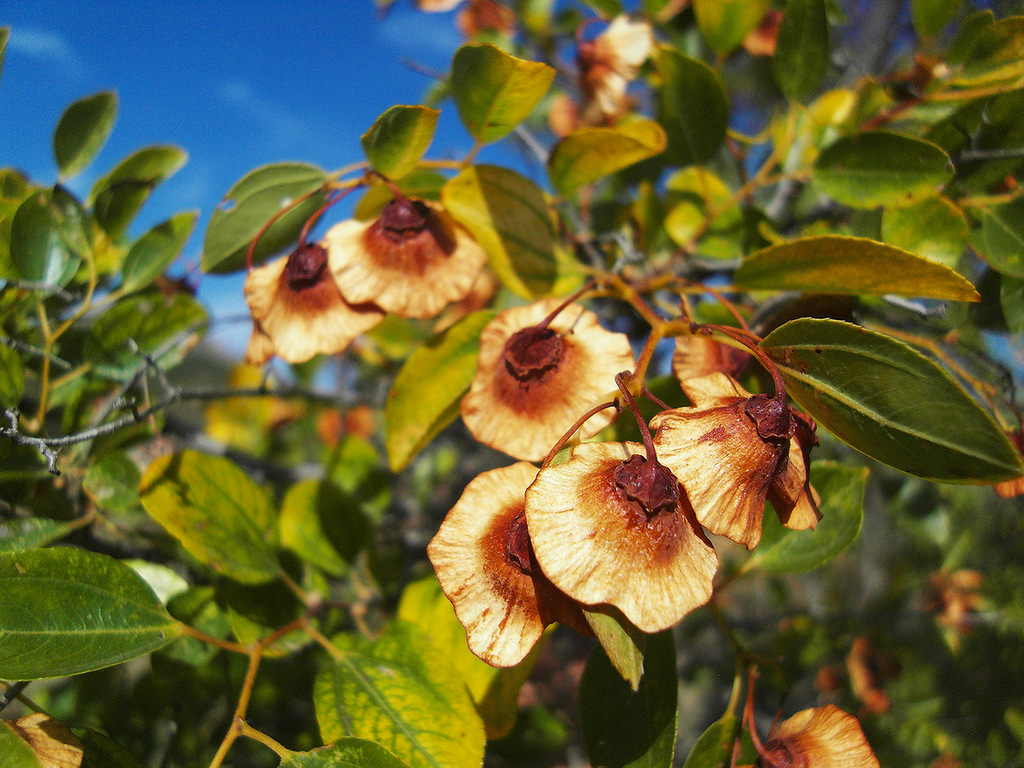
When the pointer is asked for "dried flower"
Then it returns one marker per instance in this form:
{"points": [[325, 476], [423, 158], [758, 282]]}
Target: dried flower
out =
{"points": [[610, 527], [697, 356], [534, 380], [411, 260], [732, 451], [298, 311], [486, 567], [1015, 487], [824, 737], [607, 64]]}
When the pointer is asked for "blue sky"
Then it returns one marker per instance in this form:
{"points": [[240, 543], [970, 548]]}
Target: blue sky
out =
{"points": [[235, 84]]}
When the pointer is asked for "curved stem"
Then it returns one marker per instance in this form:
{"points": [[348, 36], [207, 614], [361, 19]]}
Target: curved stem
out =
{"points": [[750, 341], [572, 431]]}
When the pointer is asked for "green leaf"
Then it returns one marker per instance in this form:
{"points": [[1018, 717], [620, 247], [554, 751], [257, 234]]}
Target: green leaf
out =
{"points": [[623, 727], [624, 645], [117, 197], [152, 253], [64, 611], [589, 154], [1011, 298], [935, 229], [254, 611], [881, 168], [494, 91], [703, 214], [112, 482], [398, 139], [509, 216], [890, 402], [12, 377], [726, 22], [842, 511], [316, 513], [931, 17], [143, 324], [403, 695], [850, 265], [801, 55], [714, 747], [1002, 237], [692, 107], [210, 505], [251, 203], [49, 238], [16, 751], [30, 533], [82, 131], [345, 753], [425, 396], [103, 752], [996, 56]]}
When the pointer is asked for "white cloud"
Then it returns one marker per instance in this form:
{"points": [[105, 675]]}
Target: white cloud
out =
{"points": [[417, 34], [48, 46], [286, 128]]}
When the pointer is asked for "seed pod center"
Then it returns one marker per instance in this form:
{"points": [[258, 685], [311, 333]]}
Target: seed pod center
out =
{"points": [[403, 218], [305, 266], [518, 548], [649, 483], [532, 352]]}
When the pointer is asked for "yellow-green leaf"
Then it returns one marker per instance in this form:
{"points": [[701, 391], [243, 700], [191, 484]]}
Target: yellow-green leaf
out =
{"points": [[851, 265], [589, 154], [995, 56], [15, 750], [398, 139], [152, 253], [1002, 237], [934, 229], [931, 17], [726, 22], [345, 753], [494, 91]]}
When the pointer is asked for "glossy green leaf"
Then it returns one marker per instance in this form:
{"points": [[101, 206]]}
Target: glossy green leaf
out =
{"points": [[314, 515], [251, 203], [590, 154], [850, 265], [31, 533], [12, 377], [495, 91], [509, 216], [425, 396], [931, 17], [692, 107], [210, 505], [934, 229], [82, 131], [400, 693], [842, 511], [49, 237], [881, 168], [624, 645], [623, 727], [152, 253], [64, 611], [726, 22], [1002, 237], [112, 482], [890, 402], [144, 324], [996, 55], [118, 196], [15, 750], [345, 753], [1011, 298], [398, 139], [801, 55], [714, 747]]}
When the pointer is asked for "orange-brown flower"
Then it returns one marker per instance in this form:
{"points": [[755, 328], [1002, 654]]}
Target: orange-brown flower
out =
{"points": [[486, 567], [607, 65], [732, 451], [697, 356], [609, 527], [411, 260], [824, 737], [533, 381], [298, 311]]}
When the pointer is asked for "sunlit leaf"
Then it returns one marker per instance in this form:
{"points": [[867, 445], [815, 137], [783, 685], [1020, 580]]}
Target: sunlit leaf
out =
{"points": [[692, 107], [345, 753], [1002, 237], [403, 695], [890, 402], [152, 253], [995, 56], [623, 727], [851, 265], [210, 505], [801, 55], [624, 645], [714, 747], [12, 377], [82, 131], [251, 203], [30, 533], [703, 216], [934, 229], [842, 509], [118, 196], [398, 139], [140, 325], [881, 168], [510, 217], [589, 154], [495, 91], [314, 515], [425, 396], [726, 22], [49, 238], [931, 17], [64, 611]]}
